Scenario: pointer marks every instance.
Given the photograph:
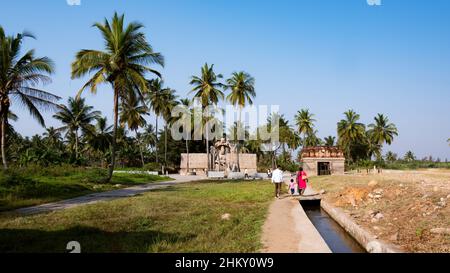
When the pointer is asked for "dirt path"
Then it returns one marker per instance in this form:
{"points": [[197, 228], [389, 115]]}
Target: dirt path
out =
{"points": [[288, 230]]}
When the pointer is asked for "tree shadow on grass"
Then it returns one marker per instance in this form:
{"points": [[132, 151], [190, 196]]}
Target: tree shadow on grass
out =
{"points": [[92, 240]]}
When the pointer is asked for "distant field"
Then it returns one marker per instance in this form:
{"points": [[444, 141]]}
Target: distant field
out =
{"points": [[185, 218], [404, 165], [411, 203], [34, 186]]}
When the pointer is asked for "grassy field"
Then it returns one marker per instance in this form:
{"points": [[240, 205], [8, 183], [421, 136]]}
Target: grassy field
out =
{"points": [[184, 218], [34, 186], [410, 205]]}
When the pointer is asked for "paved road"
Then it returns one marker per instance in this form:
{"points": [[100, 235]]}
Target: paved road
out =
{"points": [[106, 196]]}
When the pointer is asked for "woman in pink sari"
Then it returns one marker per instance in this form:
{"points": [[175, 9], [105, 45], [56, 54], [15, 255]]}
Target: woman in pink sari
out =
{"points": [[302, 178]]}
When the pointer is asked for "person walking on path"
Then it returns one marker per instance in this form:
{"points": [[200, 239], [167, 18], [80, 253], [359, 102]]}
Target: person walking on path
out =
{"points": [[302, 179], [277, 180]]}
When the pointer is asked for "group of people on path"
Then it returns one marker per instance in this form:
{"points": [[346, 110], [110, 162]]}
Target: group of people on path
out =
{"points": [[297, 185]]}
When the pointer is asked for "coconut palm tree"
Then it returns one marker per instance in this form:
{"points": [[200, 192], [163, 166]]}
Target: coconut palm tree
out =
{"points": [[242, 87], [53, 137], [76, 116], [123, 64], [311, 139], [156, 100], [207, 89], [186, 118], [10, 132], [350, 131], [149, 137], [170, 101], [382, 131], [305, 123], [391, 157], [409, 156], [20, 76], [132, 113], [330, 141], [99, 137]]}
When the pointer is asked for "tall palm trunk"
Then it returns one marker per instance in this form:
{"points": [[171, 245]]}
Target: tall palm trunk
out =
{"points": [[76, 144], [207, 147], [5, 163], [140, 149], [156, 146], [165, 147], [113, 144], [238, 148], [187, 152]]}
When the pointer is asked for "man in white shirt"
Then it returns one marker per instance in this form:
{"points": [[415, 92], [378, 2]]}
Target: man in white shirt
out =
{"points": [[277, 179]]}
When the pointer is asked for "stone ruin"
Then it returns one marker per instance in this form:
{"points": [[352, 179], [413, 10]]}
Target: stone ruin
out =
{"points": [[323, 160], [223, 158]]}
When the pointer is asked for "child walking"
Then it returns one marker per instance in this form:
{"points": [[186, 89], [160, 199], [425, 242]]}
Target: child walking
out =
{"points": [[292, 186]]}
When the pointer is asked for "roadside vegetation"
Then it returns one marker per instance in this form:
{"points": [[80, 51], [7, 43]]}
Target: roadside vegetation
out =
{"points": [[200, 217]]}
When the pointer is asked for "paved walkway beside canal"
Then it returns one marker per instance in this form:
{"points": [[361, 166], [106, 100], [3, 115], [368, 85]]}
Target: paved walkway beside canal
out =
{"points": [[107, 196], [288, 229]]}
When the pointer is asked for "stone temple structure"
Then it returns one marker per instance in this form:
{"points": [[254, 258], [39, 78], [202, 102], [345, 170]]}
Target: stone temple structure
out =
{"points": [[223, 158], [323, 161]]}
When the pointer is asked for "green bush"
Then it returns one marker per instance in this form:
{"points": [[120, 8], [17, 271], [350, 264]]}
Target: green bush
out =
{"points": [[153, 167], [288, 166]]}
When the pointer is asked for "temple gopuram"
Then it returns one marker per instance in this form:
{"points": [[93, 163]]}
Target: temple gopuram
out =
{"points": [[323, 160]]}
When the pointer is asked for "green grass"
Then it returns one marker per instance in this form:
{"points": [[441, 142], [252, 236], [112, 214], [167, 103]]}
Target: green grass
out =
{"points": [[184, 218], [34, 186]]}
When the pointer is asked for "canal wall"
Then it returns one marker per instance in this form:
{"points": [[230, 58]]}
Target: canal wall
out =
{"points": [[363, 237]]}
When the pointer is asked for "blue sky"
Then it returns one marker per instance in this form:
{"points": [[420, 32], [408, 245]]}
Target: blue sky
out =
{"points": [[325, 55]]}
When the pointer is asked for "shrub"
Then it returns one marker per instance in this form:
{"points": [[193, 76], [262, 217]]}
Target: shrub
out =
{"points": [[288, 166], [153, 167]]}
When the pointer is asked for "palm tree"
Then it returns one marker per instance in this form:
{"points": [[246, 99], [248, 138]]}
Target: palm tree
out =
{"points": [[10, 132], [287, 136], [311, 139], [448, 140], [242, 87], [19, 78], [53, 137], [391, 157], [305, 123], [350, 130], [330, 141], [123, 64], [132, 114], [76, 116], [156, 100], [170, 101], [99, 137], [149, 136], [409, 156], [185, 118], [206, 88], [382, 131]]}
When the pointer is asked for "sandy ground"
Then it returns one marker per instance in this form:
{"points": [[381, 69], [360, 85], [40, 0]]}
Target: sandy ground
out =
{"points": [[401, 207]]}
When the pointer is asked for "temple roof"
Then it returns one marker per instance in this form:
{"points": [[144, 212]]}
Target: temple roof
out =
{"points": [[322, 152]]}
